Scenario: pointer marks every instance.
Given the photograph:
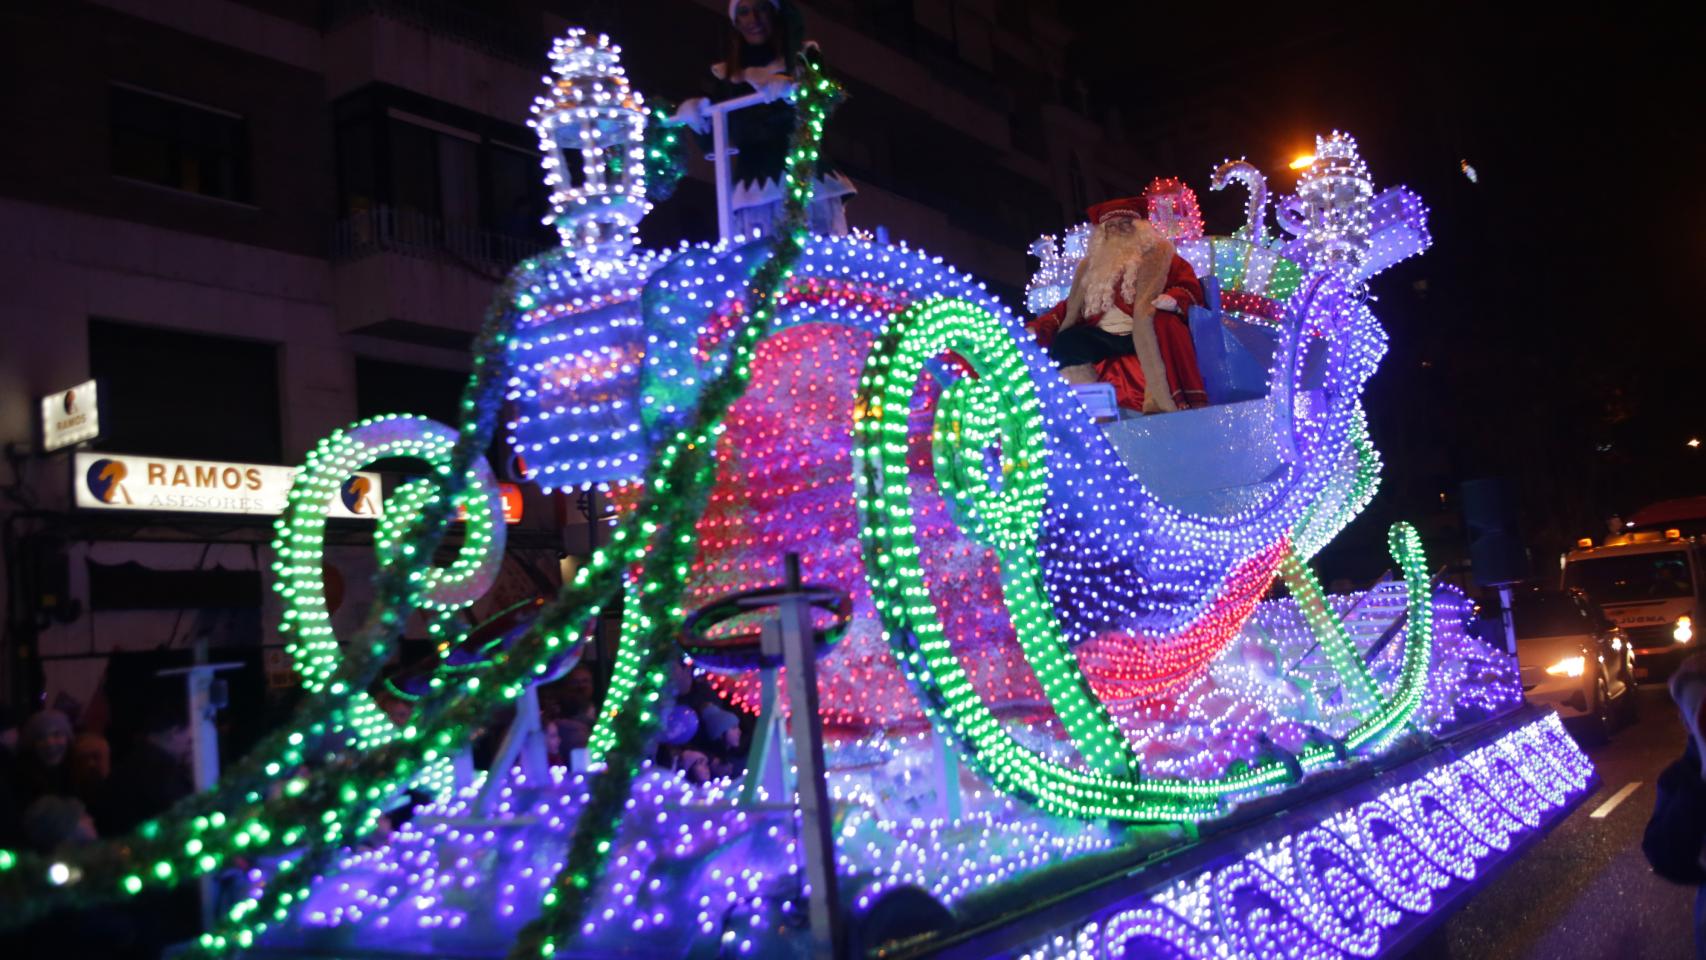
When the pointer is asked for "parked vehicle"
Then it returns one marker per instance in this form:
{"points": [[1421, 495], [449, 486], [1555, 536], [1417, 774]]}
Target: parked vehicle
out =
{"points": [[1574, 658]]}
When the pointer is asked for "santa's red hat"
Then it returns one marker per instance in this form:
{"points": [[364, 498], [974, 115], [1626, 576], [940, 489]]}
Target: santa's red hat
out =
{"points": [[1110, 209]]}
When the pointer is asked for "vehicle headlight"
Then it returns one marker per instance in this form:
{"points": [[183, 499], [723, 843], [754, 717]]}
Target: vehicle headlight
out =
{"points": [[1568, 667], [1684, 629]]}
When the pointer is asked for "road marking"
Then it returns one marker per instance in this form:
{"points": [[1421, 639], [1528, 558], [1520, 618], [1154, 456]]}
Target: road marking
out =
{"points": [[1616, 798]]}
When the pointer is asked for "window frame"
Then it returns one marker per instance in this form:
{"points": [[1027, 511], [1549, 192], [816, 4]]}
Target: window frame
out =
{"points": [[243, 179]]}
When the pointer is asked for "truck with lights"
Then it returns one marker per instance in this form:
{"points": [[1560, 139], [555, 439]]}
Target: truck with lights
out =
{"points": [[1652, 583]]}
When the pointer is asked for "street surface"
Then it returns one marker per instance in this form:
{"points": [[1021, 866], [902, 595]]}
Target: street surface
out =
{"points": [[1585, 891]]}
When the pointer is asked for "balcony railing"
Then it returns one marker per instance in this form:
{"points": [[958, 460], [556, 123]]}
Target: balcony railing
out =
{"points": [[391, 230], [463, 22]]}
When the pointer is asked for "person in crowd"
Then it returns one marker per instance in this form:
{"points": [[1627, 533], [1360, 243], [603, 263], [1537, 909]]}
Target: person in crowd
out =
{"points": [[1124, 320], [91, 763], [720, 727], [579, 697], [52, 822], [689, 762], [763, 44], [563, 738], [153, 776], [720, 740], [8, 731], [1675, 837], [43, 746], [11, 792]]}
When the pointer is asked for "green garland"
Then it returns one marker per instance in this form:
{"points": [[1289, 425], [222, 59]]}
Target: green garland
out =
{"points": [[666, 152], [263, 809], [203, 832], [675, 496]]}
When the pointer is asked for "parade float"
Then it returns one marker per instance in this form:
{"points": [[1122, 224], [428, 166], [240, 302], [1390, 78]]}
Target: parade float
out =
{"points": [[1060, 687]]}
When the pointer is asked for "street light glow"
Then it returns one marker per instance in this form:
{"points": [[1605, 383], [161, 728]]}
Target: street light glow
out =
{"points": [[1694, 441], [1302, 160]]}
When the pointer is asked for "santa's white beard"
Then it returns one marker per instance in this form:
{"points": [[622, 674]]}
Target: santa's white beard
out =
{"points": [[1110, 264]]}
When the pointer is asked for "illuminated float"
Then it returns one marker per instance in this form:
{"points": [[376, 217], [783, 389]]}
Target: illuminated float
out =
{"points": [[1058, 716]]}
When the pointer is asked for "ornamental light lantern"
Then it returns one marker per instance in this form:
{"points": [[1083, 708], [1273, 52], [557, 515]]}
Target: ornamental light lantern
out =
{"points": [[592, 127]]}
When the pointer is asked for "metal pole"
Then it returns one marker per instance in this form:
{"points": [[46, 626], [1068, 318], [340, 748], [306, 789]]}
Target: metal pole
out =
{"points": [[524, 741], [720, 156], [800, 657], [948, 762], [1508, 617], [204, 752], [766, 760]]}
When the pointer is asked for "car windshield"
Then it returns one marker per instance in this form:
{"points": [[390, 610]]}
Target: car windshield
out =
{"points": [[1548, 615], [1640, 576]]}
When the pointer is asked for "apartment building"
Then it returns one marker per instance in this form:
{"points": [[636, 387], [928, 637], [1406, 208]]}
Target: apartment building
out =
{"points": [[251, 223]]}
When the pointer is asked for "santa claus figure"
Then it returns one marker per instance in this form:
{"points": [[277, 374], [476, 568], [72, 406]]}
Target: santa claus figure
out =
{"points": [[1124, 321]]}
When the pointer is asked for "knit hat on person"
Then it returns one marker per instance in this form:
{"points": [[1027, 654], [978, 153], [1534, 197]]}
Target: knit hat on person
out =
{"points": [[51, 820], [716, 721]]}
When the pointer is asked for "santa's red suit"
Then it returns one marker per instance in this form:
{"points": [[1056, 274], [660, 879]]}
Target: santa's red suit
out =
{"points": [[1172, 335]]}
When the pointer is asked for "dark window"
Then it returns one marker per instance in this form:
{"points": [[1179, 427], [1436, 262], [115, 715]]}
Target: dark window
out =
{"points": [[434, 174], [383, 387], [440, 179], [515, 194], [174, 144], [1548, 615], [132, 586], [1624, 579], [357, 166], [171, 394], [414, 168]]}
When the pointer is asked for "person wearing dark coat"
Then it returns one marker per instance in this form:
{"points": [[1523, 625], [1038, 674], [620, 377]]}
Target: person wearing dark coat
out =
{"points": [[154, 775], [1675, 837], [764, 41], [11, 796]]}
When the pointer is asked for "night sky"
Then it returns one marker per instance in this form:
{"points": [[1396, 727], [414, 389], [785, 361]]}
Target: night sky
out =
{"points": [[1553, 332]]}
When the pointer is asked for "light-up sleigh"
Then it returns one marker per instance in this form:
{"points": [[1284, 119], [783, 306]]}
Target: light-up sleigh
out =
{"points": [[1060, 712]]}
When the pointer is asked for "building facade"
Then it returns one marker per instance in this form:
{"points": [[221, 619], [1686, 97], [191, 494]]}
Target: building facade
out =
{"points": [[251, 223]]}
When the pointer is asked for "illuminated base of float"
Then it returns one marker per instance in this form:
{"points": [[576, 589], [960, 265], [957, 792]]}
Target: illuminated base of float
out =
{"points": [[1345, 869], [1358, 862], [1352, 860]]}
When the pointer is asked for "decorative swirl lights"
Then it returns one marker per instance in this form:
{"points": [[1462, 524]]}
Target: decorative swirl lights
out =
{"points": [[298, 571], [913, 627], [1255, 228], [1341, 888]]}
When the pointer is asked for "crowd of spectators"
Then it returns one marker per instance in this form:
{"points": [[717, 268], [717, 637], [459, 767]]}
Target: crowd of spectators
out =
{"points": [[60, 789], [702, 738], [63, 785]]}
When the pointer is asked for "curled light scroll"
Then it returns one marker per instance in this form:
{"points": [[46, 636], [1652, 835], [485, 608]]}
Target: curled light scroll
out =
{"points": [[300, 547], [1256, 208], [1000, 407]]}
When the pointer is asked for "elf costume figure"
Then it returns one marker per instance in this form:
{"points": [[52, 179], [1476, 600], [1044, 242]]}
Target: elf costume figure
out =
{"points": [[764, 41]]}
